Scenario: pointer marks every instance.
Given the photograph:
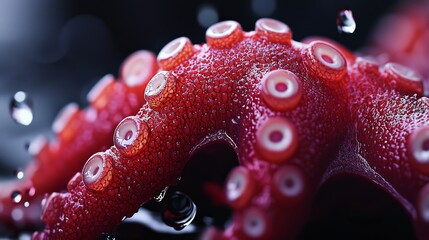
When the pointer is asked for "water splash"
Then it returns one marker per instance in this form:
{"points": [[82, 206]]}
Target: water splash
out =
{"points": [[21, 108], [345, 22]]}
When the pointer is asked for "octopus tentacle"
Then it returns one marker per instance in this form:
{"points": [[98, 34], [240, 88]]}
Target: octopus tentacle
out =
{"points": [[297, 115], [79, 133], [218, 92]]}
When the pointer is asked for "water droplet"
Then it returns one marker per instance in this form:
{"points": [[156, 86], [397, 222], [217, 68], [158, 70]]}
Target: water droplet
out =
{"points": [[179, 211], [21, 108], [345, 22], [16, 196], [18, 173], [26, 204]]}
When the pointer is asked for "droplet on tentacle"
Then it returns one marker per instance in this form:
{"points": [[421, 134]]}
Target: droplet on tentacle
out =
{"points": [[131, 136], [274, 30], [97, 172], [18, 173], [179, 211], [289, 184], [16, 196], [21, 108], [345, 22], [405, 77], [418, 149], [174, 53], [239, 187], [224, 34], [255, 223], [277, 140], [281, 90]]}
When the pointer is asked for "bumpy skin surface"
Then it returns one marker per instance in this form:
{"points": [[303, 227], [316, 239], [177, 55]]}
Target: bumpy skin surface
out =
{"points": [[79, 133], [352, 116]]}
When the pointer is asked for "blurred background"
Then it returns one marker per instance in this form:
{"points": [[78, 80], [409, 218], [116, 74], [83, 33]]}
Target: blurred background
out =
{"points": [[55, 51]]}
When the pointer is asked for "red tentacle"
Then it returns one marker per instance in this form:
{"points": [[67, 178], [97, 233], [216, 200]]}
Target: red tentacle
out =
{"points": [[79, 133]]}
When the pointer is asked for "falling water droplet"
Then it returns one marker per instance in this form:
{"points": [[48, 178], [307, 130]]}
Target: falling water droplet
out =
{"points": [[21, 108], [179, 211], [16, 196], [345, 22], [18, 173]]}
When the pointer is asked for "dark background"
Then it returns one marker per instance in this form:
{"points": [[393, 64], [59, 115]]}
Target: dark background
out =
{"points": [[55, 51]]}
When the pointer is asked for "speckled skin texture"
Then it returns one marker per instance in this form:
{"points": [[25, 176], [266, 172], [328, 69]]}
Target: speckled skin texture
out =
{"points": [[354, 117]]}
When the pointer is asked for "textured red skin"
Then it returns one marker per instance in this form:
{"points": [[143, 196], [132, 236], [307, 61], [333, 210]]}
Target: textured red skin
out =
{"points": [[89, 130], [356, 122]]}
